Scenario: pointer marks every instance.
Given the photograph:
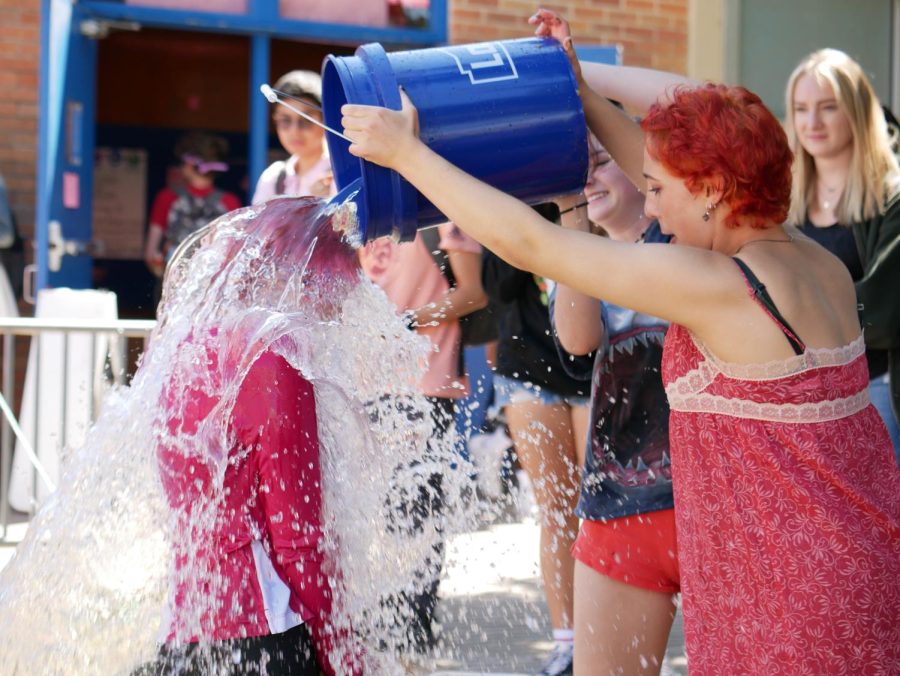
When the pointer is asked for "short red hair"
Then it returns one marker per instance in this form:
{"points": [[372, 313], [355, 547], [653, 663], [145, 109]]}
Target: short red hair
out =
{"points": [[725, 137]]}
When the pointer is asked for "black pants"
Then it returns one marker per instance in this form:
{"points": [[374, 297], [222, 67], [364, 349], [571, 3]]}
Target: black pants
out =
{"points": [[415, 613], [290, 653]]}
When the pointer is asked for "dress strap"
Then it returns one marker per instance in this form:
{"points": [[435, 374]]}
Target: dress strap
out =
{"points": [[762, 297]]}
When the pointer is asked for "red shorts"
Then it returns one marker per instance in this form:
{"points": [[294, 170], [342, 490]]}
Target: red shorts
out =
{"points": [[638, 550]]}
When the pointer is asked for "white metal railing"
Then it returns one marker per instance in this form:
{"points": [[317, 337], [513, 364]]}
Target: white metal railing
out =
{"points": [[106, 343]]}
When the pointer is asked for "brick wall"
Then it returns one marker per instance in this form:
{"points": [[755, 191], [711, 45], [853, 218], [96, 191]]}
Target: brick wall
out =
{"points": [[652, 33], [19, 66]]}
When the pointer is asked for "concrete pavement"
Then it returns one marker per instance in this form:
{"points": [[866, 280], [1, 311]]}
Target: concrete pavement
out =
{"points": [[492, 615]]}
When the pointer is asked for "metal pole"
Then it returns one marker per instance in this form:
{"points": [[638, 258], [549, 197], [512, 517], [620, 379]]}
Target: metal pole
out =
{"points": [[121, 347], [259, 107], [36, 343], [64, 408], [9, 361]]}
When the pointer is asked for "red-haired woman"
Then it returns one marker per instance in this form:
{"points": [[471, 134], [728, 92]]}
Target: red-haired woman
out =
{"points": [[787, 497]]}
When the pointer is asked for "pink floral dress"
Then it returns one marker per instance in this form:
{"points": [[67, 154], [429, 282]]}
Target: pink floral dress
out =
{"points": [[787, 502]]}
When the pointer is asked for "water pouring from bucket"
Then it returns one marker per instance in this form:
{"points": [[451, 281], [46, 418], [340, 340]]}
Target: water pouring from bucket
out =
{"points": [[148, 541]]}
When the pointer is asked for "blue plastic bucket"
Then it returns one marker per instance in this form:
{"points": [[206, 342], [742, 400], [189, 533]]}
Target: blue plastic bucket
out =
{"points": [[506, 112]]}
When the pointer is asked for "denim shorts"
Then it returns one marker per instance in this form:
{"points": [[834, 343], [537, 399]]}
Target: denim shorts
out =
{"points": [[511, 391], [880, 394]]}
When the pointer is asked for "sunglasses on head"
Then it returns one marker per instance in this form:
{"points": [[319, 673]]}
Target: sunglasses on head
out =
{"points": [[285, 122]]}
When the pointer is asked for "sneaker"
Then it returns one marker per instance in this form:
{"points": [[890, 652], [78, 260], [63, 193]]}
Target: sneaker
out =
{"points": [[560, 661], [416, 664]]}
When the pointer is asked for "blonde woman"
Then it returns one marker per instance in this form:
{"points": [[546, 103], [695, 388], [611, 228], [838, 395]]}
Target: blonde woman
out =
{"points": [[845, 196]]}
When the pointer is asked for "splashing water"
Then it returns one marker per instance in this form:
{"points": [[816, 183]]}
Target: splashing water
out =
{"points": [[90, 586]]}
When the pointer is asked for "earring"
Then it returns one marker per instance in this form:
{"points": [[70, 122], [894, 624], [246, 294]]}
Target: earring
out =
{"points": [[709, 208]]}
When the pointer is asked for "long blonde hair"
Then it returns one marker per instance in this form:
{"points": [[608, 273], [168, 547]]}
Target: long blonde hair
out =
{"points": [[874, 174]]}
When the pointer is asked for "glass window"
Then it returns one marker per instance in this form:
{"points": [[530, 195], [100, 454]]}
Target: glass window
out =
{"points": [[222, 6], [376, 13]]}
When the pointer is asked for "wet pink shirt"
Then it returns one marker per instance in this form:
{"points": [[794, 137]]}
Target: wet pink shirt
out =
{"points": [[410, 278], [267, 533]]}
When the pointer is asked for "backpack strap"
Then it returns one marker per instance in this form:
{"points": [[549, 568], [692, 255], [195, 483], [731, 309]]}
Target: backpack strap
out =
{"points": [[281, 179], [762, 298], [432, 239]]}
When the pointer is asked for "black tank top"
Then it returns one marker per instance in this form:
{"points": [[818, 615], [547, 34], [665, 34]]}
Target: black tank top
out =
{"points": [[839, 240]]}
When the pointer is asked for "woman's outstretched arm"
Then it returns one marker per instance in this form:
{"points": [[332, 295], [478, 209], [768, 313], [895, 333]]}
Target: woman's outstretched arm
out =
{"points": [[622, 137], [577, 317], [635, 88], [675, 283]]}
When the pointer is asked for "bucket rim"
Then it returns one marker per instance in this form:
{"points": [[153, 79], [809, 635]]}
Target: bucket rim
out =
{"points": [[389, 203]]}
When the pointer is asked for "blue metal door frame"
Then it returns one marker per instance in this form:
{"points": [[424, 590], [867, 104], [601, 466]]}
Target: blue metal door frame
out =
{"points": [[68, 81], [65, 141], [262, 18]]}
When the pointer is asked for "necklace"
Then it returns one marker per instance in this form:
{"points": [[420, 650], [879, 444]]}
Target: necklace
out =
{"points": [[764, 239], [644, 231], [827, 198]]}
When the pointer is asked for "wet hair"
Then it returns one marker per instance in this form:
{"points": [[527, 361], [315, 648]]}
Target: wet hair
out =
{"points": [[282, 255], [203, 146], [291, 233], [294, 234], [874, 174], [724, 138], [332, 255], [303, 84]]}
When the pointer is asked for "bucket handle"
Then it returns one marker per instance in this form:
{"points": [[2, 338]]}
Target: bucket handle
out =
{"points": [[272, 96]]}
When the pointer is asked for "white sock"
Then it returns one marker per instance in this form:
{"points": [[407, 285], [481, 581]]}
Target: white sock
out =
{"points": [[564, 638]]}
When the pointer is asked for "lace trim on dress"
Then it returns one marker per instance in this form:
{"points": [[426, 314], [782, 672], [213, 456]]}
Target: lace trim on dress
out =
{"points": [[686, 392], [820, 411], [695, 380], [814, 357]]}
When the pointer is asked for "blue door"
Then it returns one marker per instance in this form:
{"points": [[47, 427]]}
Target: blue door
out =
{"points": [[65, 149], [68, 88]]}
